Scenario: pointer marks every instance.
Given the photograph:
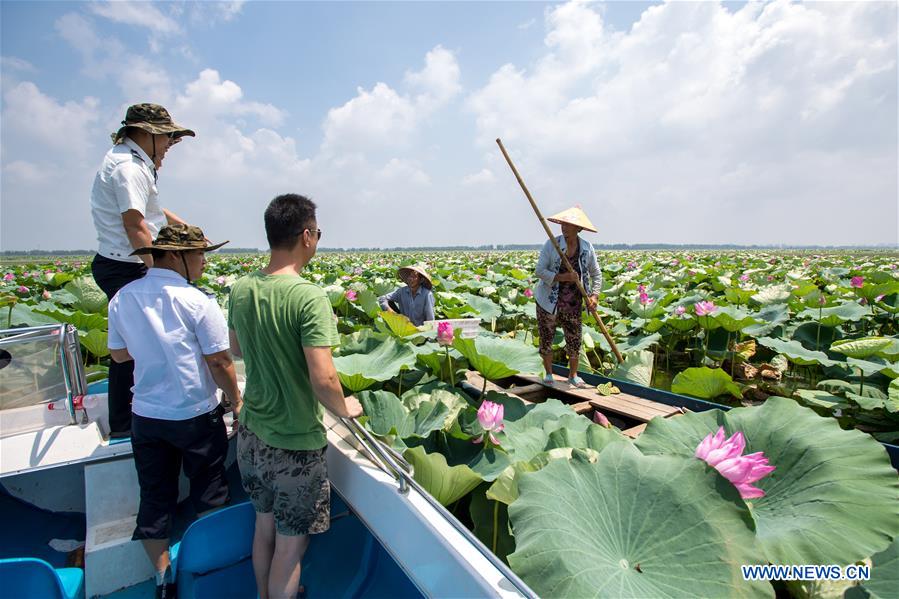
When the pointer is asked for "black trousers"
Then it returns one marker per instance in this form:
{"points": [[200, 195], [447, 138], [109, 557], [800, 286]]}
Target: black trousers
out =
{"points": [[112, 275], [161, 449]]}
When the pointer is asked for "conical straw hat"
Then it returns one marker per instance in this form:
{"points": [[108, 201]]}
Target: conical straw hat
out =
{"points": [[573, 216], [420, 269]]}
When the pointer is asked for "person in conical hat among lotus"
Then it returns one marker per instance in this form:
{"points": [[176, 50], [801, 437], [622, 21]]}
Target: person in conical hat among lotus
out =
{"points": [[415, 301], [558, 298]]}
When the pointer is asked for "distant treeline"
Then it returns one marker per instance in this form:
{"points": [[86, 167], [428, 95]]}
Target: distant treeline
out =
{"points": [[512, 247]]}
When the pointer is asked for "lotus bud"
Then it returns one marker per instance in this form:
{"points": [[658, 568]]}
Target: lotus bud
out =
{"points": [[857, 282], [445, 333], [600, 419], [490, 417], [350, 295]]}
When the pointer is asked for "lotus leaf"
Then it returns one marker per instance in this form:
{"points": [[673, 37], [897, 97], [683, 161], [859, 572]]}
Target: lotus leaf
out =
{"points": [[774, 294], [399, 325], [824, 474], [497, 358], [21, 314], [486, 309], [360, 371], [733, 319], [368, 301], [638, 343], [868, 367], [770, 318], [867, 402], [890, 352], [388, 416], [491, 524], [95, 341], [505, 487], [861, 348], [89, 297], [705, 383], [637, 368], [815, 337], [836, 315], [884, 576], [605, 529], [445, 483], [816, 398], [454, 402], [796, 352], [680, 323], [738, 296], [80, 320]]}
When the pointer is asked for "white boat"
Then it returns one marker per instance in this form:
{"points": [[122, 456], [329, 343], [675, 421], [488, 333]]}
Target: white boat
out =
{"points": [[66, 488]]}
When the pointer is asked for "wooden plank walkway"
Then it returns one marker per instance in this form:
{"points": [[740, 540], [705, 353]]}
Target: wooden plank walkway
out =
{"points": [[623, 404], [531, 389]]}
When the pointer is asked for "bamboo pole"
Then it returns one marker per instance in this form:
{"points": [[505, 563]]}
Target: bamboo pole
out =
{"points": [[565, 262]]}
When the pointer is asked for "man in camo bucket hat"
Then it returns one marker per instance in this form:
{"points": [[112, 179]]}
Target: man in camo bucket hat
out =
{"points": [[127, 215], [177, 338]]}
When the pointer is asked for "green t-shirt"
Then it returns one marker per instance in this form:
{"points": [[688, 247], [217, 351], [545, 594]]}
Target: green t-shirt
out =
{"points": [[275, 317]]}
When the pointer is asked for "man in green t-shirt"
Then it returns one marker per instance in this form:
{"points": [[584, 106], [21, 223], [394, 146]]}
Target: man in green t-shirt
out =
{"points": [[284, 328]]}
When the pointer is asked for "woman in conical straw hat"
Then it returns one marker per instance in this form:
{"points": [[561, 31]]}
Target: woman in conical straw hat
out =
{"points": [[558, 298], [415, 300]]}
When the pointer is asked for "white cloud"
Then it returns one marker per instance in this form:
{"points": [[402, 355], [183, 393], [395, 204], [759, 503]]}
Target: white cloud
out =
{"points": [[27, 172], [209, 97], [527, 24], [644, 124], [384, 119], [31, 116], [16, 64], [140, 14], [483, 176]]}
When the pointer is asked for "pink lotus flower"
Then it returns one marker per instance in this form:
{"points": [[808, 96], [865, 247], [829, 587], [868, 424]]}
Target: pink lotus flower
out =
{"points": [[22, 289], [76, 264], [645, 300], [350, 295], [220, 280], [490, 417], [878, 298], [680, 311], [857, 282], [641, 288], [631, 265], [445, 333], [357, 271], [770, 277], [744, 278], [528, 293], [704, 308], [9, 276], [691, 272], [45, 294], [822, 300], [725, 456], [600, 419]]}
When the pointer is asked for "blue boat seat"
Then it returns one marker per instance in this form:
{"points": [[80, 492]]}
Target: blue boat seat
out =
{"points": [[213, 558], [30, 577]]}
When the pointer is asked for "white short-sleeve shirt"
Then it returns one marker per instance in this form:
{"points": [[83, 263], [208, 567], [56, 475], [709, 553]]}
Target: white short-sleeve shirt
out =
{"points": [[126, 180], [168, 326]]}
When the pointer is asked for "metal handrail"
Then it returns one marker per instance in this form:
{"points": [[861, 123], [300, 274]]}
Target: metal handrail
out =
{"points": [[69, 355], [373, 446], [406, 481]]}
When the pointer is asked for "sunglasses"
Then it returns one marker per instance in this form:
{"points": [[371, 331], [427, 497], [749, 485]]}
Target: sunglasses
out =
{"points": [[316, 231]]}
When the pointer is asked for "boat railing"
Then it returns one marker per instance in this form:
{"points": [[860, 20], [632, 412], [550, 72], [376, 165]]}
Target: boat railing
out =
{"points": [[61, 340], [395, 466]]}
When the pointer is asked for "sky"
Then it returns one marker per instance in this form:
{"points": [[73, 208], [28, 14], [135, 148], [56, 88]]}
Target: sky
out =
{"points": [[681, 122]]}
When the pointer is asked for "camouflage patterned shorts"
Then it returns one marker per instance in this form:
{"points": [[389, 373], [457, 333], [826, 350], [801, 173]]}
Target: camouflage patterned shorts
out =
{"points": [[571, 326], [291, 484]]}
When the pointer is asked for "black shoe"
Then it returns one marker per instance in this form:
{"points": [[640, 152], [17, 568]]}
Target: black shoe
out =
{"points": [[166, 591]]}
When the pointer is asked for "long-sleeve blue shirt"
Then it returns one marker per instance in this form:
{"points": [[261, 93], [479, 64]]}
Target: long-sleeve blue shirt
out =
{"points": [[417, 309]]}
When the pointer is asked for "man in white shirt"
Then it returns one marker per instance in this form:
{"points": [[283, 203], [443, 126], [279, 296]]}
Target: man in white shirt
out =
{"points": [[127, 215], [178, 339]]}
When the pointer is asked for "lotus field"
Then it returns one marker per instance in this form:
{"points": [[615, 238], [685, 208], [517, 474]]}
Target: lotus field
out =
{"points": [[805, 347]]}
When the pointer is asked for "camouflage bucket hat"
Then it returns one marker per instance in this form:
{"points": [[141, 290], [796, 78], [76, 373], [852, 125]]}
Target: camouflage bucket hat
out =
{"points": [[152, 118], [179, 237]]}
